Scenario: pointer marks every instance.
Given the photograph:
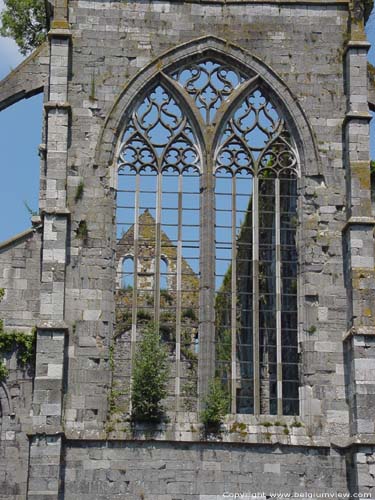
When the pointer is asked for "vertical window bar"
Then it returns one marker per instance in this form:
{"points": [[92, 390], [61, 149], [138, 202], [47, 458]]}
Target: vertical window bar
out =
{"points": [[234, 301], [133, 338], [135, 272], [179, 293], [279, 369], [256, 370], [157, 250]]}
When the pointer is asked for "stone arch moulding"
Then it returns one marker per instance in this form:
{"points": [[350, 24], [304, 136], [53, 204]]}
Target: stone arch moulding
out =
{"points": [[5, 401], [210, 46]]}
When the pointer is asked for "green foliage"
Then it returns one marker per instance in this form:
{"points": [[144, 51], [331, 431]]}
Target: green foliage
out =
{"points": [[143, 315], [82, 231], [312, 329], [150, 376], [267, 424], [168, 298], [23, 343], [79, 191], [4, 372], [296, 423], [216, 406], [189, 314], [2, 293], [372, 168], [239, 427], [25, 22]]}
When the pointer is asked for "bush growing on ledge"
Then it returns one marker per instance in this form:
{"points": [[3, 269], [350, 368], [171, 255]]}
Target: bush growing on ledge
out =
{"points": [[150, 376], [216, 406]]}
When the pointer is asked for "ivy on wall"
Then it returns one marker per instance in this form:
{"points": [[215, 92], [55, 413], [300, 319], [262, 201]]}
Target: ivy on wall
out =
{"points": [[23, 343]]}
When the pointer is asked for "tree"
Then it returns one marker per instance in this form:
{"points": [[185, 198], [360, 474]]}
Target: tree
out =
{"points": [[25, 21], [150, 376]]}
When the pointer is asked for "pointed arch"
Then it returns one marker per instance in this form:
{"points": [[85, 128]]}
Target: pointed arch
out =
{"points": [[236, 56], [180, 105]]}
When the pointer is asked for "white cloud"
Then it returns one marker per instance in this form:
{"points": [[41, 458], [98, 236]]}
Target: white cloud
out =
{"points": [[9, 55]]}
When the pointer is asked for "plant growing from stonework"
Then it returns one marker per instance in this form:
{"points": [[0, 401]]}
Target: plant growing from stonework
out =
{"points": [[79, 191], [24, 21], [22, 342], [216, 406], [150, 376]]}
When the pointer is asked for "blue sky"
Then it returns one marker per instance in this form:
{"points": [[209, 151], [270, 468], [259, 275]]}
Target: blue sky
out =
{"points": [[20, 136]]}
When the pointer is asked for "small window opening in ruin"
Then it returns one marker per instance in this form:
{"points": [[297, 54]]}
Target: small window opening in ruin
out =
{"points": [[164, 274], [127, 273]]}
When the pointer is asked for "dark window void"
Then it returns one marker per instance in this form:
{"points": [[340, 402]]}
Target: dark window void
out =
{"points": [[213, 235]]}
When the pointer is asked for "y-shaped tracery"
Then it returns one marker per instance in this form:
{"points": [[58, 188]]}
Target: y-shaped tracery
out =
{"points": [[162, 168]]}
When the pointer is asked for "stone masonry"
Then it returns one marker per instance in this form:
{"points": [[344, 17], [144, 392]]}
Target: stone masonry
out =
{"points": [[58, 438]]}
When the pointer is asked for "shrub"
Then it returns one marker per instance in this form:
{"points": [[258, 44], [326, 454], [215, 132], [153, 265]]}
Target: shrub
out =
{"points": [[150, 376], [216, 406]]}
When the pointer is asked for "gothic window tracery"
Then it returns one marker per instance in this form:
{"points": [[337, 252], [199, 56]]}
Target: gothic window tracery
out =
{"points": [[221, 208]]}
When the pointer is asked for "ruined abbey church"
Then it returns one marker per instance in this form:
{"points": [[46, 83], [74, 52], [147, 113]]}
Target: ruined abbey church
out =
{"points": [[205, 172]]}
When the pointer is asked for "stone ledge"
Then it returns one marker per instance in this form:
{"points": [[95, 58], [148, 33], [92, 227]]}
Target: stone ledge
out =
{"points": [[52, 325], [55, 211], [356, 440], [57, 105], [286, 431], [358, 221], [189, 437], [368, 331], [45, 431], [353, 115], [59, 32], [357, 44]]}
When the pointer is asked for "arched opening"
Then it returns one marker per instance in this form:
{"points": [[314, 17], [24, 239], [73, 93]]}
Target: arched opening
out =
{"points": [[127, 273], [164, 285], [219, 260]]}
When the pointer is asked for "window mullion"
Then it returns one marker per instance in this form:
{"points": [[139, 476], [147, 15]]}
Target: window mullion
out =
{"points": [[206, 355], [279, 369], [234, 301], [179, 293], [256, 370], [135, 271], [157, 250]]}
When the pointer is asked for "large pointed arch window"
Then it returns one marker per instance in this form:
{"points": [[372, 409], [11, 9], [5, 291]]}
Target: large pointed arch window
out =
{"points": [[207, 205]]}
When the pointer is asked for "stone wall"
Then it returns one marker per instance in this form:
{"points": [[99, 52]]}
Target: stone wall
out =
{"points": [[313, 57], [178, 471], [20, 265], [112, 43], [20, 279]]}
